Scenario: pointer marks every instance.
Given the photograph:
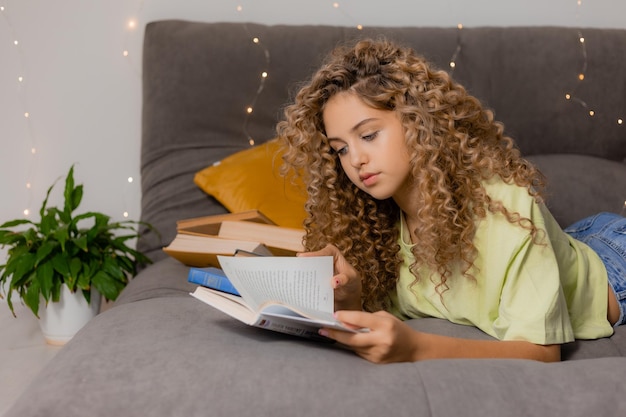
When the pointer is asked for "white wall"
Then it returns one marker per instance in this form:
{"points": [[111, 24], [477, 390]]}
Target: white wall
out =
{"points": [[83, 95]]}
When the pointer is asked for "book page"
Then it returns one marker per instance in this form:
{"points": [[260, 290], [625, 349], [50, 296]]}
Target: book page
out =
{"points": [[303, 282]]}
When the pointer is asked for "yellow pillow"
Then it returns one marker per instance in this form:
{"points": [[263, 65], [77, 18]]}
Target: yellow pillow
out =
{"points": [[250, 179]]}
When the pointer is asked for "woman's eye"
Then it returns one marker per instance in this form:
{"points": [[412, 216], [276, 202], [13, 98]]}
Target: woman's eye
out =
{"points": [[370, 136], [341, 151]]}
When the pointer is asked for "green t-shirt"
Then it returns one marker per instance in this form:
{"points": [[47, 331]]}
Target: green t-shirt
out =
{"points": [[546, 293]]}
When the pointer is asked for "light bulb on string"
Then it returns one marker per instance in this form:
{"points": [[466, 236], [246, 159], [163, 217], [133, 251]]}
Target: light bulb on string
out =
{"points": [[343, 11], [457, 51]]}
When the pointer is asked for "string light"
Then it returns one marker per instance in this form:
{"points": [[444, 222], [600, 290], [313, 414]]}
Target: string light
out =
{"points": [[337, 6], [249, 110], [571, 96], [457, 50], [24, 100]]}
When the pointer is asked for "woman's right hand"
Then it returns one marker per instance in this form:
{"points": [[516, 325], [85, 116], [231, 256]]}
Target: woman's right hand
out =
{"points": [[346, 281]]}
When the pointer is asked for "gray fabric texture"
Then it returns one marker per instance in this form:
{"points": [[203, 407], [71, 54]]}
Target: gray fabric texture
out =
{"points": [[168, 354], [160, 352]]}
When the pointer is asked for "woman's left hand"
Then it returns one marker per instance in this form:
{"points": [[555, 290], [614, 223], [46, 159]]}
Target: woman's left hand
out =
{"points": [[388, 340]]}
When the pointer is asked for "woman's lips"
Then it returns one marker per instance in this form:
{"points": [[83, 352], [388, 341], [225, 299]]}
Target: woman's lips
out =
{"points": [[369, 179]]}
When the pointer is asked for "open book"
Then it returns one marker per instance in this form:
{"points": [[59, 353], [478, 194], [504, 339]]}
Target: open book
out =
{"points": [[290, 295]]}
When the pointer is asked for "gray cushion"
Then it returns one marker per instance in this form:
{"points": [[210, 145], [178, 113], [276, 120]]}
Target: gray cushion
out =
{"points": [[161, 352], [582, 185]]}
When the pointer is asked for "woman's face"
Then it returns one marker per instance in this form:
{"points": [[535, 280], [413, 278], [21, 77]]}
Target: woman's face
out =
{"points": [[370, 144]]}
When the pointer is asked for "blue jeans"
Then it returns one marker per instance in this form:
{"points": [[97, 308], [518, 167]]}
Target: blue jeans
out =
{"points": [[605, 233]]}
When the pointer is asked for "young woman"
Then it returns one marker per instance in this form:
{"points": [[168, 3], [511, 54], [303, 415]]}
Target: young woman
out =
{"points": [[430, 211]]}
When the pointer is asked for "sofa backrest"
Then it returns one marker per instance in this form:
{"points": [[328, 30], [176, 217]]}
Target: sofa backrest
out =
{"points": [[199, 78]]}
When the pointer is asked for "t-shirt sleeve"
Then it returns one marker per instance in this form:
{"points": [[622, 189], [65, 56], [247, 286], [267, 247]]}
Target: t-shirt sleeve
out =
{"points": [[532, 303]]}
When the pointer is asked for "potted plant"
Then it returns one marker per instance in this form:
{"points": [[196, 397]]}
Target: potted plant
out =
{"points": [[65, 252]]}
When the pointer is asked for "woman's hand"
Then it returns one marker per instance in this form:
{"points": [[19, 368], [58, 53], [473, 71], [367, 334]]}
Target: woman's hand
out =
{"points": [[346, 282], [391, 340], [388, 339]]}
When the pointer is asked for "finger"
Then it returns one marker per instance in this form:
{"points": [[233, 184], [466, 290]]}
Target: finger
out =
{"points": [[339, 281], [358, 319]]}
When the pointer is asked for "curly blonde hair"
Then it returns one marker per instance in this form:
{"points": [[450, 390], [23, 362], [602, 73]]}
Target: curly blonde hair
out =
{"points": [[454, 143]]}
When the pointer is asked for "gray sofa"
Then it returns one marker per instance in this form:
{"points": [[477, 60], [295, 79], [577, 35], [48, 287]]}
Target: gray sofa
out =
{"points": [[160, 352]]}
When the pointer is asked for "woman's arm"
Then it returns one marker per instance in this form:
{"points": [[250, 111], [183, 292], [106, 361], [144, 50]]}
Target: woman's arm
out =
{"points": [[391, 340]]}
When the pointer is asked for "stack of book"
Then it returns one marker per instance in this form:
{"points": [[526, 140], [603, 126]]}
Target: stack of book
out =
{"points": [[200, 240]]}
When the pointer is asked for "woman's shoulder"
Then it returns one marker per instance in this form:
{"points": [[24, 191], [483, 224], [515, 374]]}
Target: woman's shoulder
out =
{"points": [[511, 195]]}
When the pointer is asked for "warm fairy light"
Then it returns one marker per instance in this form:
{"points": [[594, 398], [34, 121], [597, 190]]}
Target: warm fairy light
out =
{"points": [[1, 8], [255, 40], [568, 97], [26, 212], [125, 214], [336, 5], [249, 110], [581, 39], [132, 24], [130, 179], [20, 79], [460, 26], [581, 77], [27, 115], [620, 121], [125, 53], [359, 27], [452, 64], [33, 150], [264, 74], [28, 185], [15, 42], [239, 8], [592, 113], [251, 142]]}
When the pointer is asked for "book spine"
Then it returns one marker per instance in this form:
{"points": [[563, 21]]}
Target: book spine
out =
{"points": [[213, 278]]}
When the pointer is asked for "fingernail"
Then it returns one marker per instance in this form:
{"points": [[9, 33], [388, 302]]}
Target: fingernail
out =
{"points": [[323, 332]]}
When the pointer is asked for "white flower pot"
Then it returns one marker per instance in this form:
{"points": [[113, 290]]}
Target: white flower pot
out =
{"points": [[60, 321]]}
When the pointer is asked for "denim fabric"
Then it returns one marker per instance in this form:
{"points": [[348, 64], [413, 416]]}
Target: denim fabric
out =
{"points": [[605, 233]]}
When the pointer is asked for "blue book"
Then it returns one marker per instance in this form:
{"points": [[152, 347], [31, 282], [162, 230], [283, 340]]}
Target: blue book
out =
{"points": [[211, 277]]}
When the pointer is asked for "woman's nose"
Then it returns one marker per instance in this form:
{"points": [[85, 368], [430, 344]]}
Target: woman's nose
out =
{"points": [[358, 156]]}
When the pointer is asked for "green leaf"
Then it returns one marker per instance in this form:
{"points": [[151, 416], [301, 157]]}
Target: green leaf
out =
{"points": [[69, 189], [13, 223], [9, 237], [76, 266], [56, 290], [48, 222], [44, 250], [83, 280], [31, 297], [108, 286], [112, 268], [61, 235], [76, 197], [21, 266], [45, 274], [81, 242], [42, 210], [61, 265]]}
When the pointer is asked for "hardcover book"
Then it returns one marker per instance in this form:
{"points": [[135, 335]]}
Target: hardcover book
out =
{"points": [[211, 277]]}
